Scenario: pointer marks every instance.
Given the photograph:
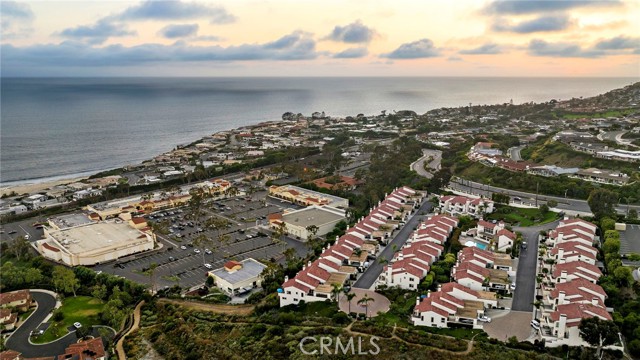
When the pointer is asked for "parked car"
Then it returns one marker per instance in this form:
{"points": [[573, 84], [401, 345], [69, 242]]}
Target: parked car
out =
{"points": [[208, 252], [535, 324], [77, 325], [183, 247], [197, 251], [484, 318], [208, 266], [512, 286], [171, 258]]}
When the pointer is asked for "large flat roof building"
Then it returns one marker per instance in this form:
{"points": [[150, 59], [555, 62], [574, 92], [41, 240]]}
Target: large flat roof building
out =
{"points": [[306, 197], [236, 278], [72, 241], [297, 221]]}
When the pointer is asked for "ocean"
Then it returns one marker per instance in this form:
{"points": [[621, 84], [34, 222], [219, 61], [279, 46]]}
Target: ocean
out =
{"points": [[64, 127]]}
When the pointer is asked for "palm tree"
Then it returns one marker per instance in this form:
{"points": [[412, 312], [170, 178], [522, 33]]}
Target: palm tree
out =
{"points": [[365, 302], [335, 290], [350, 297]]}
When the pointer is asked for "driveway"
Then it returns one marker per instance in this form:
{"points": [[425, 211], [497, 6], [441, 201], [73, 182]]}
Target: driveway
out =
{"points": [[514, 323], [380, 303], [434, 165], [19, 340], [370, 275]]}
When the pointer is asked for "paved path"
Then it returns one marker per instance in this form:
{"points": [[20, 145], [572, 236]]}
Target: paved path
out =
{"points": [[136, 324], [370, 275], [380, 303], [19, 340], [514, 152]]}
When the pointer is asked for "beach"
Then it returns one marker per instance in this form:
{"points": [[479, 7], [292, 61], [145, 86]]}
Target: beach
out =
{"points": [[30, 188]]}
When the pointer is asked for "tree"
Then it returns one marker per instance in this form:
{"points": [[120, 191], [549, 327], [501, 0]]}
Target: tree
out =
{"points": [[602, 202], [607, 224], [335, 290], [83, 332], [632, 214], [312, 230], [364, 301], [623, 276], [598, 332], [152, 276], [20, 247], [544, 208], [65, 280], [32, 276], [99, 291], [552, 203], [350, 297]]}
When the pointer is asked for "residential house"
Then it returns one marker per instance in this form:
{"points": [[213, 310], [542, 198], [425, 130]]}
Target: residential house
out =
{"points": [[19, 300], [439, 309]]}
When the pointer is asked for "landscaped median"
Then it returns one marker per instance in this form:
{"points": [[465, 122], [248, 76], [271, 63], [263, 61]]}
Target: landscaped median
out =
{"points": [[83, 309], [522, 216]]}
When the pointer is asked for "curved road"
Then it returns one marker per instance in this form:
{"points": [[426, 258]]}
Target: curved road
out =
{"points": [[19, 340]]}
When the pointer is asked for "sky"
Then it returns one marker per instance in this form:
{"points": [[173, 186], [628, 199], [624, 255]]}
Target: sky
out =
{"points": [[575, 38]]}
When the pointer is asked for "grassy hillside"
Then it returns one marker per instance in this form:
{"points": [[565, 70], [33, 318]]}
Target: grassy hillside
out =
{"points": [[556, 153]]}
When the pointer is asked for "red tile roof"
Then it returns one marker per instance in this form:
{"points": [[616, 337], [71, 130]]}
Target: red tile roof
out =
{"points": [[138, 220], [7, 298], [577, 268], [579, 311], [86, 350], [50, 247]]}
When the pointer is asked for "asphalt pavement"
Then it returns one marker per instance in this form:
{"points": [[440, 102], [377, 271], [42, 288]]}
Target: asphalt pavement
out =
{"points": [[434, 164], [370, 275], [19, 340], [524, 295]]}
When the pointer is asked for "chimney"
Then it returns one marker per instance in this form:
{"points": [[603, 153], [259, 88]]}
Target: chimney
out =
{"points": [[309, 263], [560, 254], [428, 293], [304, 266], [563, 275], [417, 300], [286, 278], [561, 297], [594, 301], [439, 287]]}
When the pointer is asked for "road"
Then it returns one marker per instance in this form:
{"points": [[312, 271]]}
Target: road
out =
{"points": [[576, 205], [369, 277], [524, 295], [19, 340], [418, 166], [514, 153]]}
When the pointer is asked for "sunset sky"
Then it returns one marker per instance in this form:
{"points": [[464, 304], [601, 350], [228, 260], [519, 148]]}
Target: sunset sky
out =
{"points": [[321, 38]]}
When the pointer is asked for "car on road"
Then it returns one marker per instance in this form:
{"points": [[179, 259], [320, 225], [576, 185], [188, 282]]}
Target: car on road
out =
{"points": [[208, 252], [484, 318], [524, 245], [208, 266], [171, 258], [27, 236], [12, 232], [512, 286], [516, 198], [197, 251], [77, 325], [182, 247]]}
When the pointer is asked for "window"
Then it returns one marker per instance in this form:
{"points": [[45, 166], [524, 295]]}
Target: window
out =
{"points": [[442, 320], [433, 320], [288, 292], [410, 285]]}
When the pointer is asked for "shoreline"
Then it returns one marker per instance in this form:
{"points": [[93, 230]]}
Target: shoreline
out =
{"points": [[33, 187]]}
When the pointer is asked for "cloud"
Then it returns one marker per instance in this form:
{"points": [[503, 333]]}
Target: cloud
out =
{"points": [[541, 24], [15, 19], [208, 38], [414, 50], [486, 49], [353, 33], [539, 47], [521, 7], [70, 54], [352, 53], [619, 43], [15, 10], [454, 58], [178, 31], [175, 10], [96, 33]]}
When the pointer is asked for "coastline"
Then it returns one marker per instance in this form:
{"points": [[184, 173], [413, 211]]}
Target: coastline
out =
{"points": [[33, 187]]}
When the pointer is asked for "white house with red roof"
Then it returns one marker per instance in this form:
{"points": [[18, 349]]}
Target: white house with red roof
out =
{"points": [[570, 251], [505, 240], [579, 291], [486, 259], [575, 270], [561, 326], [488, 298], [440, 309], [573, 230], [405, 274], [481, 278], [462, 205]]}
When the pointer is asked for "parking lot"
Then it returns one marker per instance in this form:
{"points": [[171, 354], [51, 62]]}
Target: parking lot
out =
{"points": [[182, 262], [29, 227]]}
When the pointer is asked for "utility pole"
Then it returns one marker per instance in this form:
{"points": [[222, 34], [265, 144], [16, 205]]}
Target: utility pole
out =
{"points": [[537, 188]]}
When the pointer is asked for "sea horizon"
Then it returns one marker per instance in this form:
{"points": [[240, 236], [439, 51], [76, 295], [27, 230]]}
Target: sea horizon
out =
{"points": [[86, 125]]}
